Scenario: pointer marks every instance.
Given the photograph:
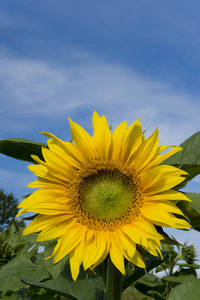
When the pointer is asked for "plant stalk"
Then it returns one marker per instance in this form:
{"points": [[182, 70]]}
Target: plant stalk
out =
{"points": [[114, 282]]}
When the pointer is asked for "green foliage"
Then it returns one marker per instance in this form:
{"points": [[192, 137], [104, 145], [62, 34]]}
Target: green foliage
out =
{"points": [[24, 273], [8, 210], [13, 244], [176, 273], [86, 289], [21, 149], [189, 289]]}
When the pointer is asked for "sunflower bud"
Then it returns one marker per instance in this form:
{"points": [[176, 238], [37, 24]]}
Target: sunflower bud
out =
{"points": [[189, 254]]}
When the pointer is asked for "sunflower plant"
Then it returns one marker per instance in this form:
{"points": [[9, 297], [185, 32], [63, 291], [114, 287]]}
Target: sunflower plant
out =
{"points": [[102, 201]]}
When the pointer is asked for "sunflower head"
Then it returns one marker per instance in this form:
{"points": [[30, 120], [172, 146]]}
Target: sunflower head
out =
{"points": [[103, 195]]}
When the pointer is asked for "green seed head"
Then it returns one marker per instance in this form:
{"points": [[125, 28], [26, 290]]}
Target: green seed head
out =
{"points": [[107, 195]]}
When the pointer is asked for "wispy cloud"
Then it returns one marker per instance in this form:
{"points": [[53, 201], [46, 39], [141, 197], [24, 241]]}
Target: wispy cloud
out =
{"points": [[38, 90]]}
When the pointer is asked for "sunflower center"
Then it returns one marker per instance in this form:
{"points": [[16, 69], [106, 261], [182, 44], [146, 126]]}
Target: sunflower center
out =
{"points": [[105, 195]]}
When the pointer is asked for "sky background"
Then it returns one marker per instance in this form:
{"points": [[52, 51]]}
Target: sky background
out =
{"points": [[125, 59]]}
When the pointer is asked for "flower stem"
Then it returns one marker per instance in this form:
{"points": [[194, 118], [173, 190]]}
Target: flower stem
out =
{"points": [[114, 282]]}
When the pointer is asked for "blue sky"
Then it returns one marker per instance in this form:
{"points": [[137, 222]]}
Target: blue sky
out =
{"points": [[125, 59]]}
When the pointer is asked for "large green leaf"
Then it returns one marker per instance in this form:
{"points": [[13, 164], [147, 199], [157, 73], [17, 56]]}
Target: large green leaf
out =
{"points": [[192, 210], [83, 289], [21, 265], [150, 284], [21, 149], [189, 289], [49, 287]]}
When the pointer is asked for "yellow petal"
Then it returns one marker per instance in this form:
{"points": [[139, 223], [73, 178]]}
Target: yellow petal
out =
{"points": [[46, 202], [160, 158], [82, 139], [132, 140], [68, 242], [148, 229], [148, 152], [158, 216], [116, 256], [58, 163], [134, 235], [127, 243], [136, 259], [162, 206], [54, 171], [180, 223], [117, 138], [21, 212], [101, 259], [167, 195], [76, 258], [56, 230], [46, 184], [38, 170], [94, 249], [102, 135], [161, 178], [65, 148], [153, 248], [40, 222]]}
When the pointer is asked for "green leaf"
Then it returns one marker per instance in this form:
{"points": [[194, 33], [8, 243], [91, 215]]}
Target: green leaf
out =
{"points": [[150, 280], [21, 149], [192, 210], [195, 197], [185, 265], [189, 289], [190, 153], [151, 263], [151, 285], [51, 288], [83, 289], [178, 279], [19, 266]]}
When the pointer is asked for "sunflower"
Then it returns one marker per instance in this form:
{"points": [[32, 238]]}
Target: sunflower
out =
{"points": [[103, 195]]}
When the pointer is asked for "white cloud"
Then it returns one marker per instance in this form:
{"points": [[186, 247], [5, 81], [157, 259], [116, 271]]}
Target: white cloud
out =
{"points": [[41, 90]]}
